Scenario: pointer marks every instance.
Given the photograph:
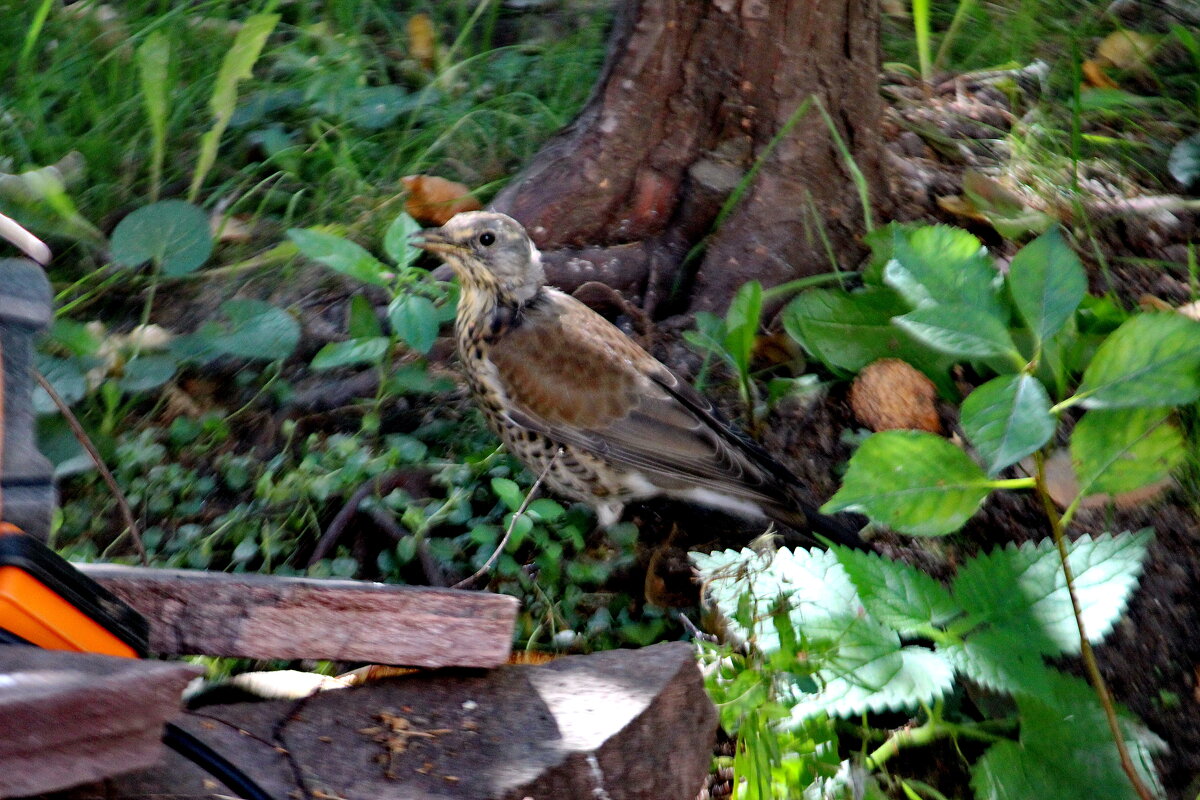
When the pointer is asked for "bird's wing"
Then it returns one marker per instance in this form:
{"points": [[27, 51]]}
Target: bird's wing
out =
{"points": [[571, 375]]}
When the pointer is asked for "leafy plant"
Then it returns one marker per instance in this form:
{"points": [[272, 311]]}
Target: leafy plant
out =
{"points": [[936, 298], [732, 339], [840, 634]]}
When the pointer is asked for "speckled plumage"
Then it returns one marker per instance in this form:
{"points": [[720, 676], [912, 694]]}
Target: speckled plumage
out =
{"points": [[550, 373]]}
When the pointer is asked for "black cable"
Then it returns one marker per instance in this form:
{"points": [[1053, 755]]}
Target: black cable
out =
{"points": [[212, 762]]}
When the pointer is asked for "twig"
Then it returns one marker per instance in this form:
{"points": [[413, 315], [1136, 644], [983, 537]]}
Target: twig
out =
{"points": [[1089, 657], [122, 504], [512, 523]]}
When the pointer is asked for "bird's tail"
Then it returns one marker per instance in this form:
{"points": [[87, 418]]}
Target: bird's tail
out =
{"points": [[840, 529]]}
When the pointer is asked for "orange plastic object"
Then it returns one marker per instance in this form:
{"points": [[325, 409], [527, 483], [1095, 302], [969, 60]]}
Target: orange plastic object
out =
{"points": [[46, 602]]}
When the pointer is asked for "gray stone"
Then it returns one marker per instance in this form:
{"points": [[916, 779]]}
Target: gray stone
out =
{"points": [[72, 718]]}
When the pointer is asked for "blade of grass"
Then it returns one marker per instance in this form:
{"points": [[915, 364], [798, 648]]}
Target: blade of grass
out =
{"points": [[153, 58], [236, 66]]}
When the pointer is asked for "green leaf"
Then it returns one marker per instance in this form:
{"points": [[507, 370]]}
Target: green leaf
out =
{"points": [[1021, 591], [236, 66], [1047, 284], [741, 324], [999, 660], [148, 372], [1125, 449], [848, 331], [363, 324], [858, 663], [396, 243], [173, 234], [913, 482], [248, 329], [415, 321], [1066, 750], [1007, 419], [340, 255], [1151, 360], [65, 375], [509, 492], [351, 352], [899, 596], [937, 264], [153, 58], [958, 331], [1184, 161]]}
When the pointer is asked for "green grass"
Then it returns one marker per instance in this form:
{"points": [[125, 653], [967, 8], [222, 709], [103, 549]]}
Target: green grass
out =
{"points": [[307, 140]]}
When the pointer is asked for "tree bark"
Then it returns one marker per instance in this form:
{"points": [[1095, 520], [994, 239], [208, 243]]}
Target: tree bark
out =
{"points": [[692, 95]]}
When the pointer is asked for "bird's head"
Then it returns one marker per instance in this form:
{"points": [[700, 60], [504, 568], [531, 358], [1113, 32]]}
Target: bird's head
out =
{"points": [[488, 252]]}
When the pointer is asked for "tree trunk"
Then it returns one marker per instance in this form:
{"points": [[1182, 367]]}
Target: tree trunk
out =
{"points": [[693, 95]]}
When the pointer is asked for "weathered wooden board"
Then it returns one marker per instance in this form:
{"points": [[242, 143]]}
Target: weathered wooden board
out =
{"points": [[267, 617]]}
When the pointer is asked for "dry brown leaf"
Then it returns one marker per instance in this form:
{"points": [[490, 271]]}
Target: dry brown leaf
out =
{"points": [[1125, 49], [422, 40], [1094, 76], [961, 206], [890, 394], [1062, 485], [433, 200]]}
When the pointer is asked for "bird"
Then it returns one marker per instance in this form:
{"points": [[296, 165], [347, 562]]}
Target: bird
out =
{"points": [[584, 406]]}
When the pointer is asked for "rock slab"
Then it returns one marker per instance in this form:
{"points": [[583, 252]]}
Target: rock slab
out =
{"points": [[71, 718], [619, 725]]}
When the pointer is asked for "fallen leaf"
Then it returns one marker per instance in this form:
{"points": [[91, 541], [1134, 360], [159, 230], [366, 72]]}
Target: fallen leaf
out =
{"points": [[890, 394], [422, 40], [1125, 49], [433, 200], [1094, 75]]}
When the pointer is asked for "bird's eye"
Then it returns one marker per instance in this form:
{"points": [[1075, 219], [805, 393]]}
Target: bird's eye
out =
{"points": [[487, 238]]}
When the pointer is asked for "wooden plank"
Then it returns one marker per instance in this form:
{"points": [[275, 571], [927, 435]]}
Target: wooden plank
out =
{"points": [[72, 718], [267, 617]]}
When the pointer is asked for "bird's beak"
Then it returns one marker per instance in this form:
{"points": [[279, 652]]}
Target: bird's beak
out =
{"points": [[433, 240]]}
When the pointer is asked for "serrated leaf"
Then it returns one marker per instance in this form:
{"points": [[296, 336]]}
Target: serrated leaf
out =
{"points": [[858, 664], [1022, 590], [999, 660], [938, 264], [173, 234], [250, 329], [848, 331], [896, 594], [1047, 283], [340, 255], [351, 352], [958, 331], [396, 240], [414, 320], [1120, 450], [866, 670], [1066, 750], [1008, 418], [913, 482], [1151, 360]]}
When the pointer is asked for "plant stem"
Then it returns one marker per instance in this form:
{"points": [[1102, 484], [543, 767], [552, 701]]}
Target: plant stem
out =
{"points": [[1090, 667], [1014, 483], [922, 735]]}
